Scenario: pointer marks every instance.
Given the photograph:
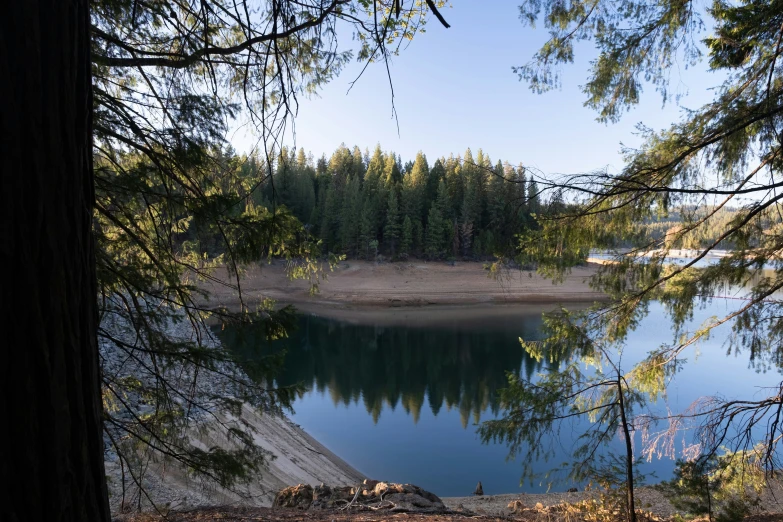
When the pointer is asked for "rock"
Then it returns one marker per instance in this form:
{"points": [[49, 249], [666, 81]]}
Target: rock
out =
{"points": [[539, 506], [294, 497], [321, 492], [432, 497], [383, 489], [322, 496], [343, 493], [573, 490], [516, 506], [412, 499], [479, 489], [400, 497]]}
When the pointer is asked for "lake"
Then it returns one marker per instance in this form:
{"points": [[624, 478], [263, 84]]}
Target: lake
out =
{"points": [[398, 395]]}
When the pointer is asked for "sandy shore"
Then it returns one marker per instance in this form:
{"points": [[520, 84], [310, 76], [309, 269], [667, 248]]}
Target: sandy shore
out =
{"points": [[363, 286]]}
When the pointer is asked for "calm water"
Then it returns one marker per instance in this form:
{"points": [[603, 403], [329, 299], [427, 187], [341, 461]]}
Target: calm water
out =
{"points": [[400, 402]]}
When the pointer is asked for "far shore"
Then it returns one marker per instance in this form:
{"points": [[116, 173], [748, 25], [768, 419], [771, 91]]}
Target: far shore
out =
{"points": [[362, 290]]}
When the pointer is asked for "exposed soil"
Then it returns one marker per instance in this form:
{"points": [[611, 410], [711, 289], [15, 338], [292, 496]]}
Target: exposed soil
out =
{"points": [[234, 514], [648, 499], [361, 285], [231, 514]]}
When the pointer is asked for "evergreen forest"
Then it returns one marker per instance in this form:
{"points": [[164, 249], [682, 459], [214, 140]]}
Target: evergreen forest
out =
{"points": [[366, 205]]}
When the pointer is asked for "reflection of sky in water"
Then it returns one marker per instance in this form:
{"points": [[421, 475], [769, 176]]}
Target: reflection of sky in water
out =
{"points": [[372, 399]]}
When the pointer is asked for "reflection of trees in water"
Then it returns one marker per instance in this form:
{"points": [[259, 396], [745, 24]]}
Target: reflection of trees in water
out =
{"points": [[451, 367]]}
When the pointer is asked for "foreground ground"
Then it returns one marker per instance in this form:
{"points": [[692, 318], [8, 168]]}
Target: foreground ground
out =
{"points": [[233, 514], [549, 507]]}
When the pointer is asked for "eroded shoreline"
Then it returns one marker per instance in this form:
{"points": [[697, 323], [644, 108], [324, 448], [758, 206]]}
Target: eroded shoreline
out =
{"points": [[364, 289]]}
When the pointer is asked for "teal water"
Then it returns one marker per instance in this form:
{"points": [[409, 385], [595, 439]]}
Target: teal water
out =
{"points": [[401, 401]]}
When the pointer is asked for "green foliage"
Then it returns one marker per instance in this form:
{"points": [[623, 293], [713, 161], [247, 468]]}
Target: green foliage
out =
{"points": [[391, 231], [724, 487], [407, 236], [637, 41], [345, 200], [587, 384], [706, 182], [690, 489], [434, 241]]}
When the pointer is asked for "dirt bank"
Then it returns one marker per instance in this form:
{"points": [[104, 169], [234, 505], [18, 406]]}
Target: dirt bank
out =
{"points": [[362, 285]]}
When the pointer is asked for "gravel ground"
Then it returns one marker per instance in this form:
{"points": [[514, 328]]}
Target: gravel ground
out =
{"points": [[229, 514], [649, 498]]}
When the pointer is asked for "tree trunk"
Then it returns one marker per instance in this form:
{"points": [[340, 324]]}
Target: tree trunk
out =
{"points": [[630, 503], [51, 456]]}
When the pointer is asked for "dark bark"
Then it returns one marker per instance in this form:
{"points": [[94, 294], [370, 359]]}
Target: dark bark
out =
{"points": [[51, 451]]}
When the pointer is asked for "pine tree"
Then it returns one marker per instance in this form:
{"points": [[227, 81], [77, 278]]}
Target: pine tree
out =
{"points": [[517, 200], [436, 175], [330, 219], [442, 201], [533, 199], [454, 226], [374, 191], [492, 209], [391, 230], [470, 205], [350, 215], [305, 190], [434, 234], [366, 232], [392, 174], [482, 175], [466, 237], [283, 180], [358, 166], [407, 236], [341, 166], [497, 211], [455, 184], [418, 237], [418, 187]]}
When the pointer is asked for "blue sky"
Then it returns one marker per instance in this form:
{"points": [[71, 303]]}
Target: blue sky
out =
{"points": [[454, 89]]}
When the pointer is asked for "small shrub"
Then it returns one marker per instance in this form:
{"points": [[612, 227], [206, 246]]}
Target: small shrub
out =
{"points": [[724, 488]]}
